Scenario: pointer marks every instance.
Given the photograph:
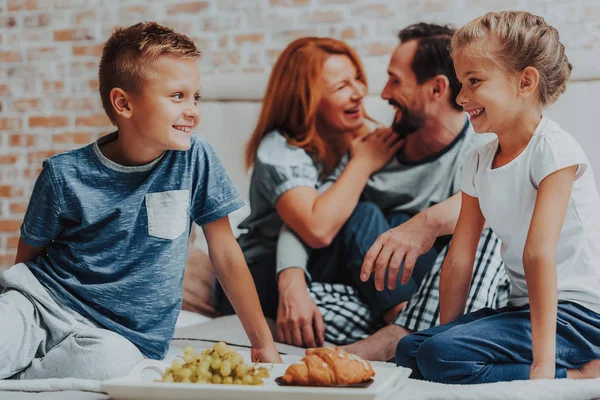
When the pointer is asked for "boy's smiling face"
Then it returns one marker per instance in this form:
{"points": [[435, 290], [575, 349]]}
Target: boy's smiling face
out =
{"points": [[165, 111]]}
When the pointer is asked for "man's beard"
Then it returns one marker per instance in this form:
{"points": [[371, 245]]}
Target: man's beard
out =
{"points": [[410, 122]]}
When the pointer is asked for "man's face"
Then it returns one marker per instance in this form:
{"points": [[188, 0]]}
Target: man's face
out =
{"points": [[403, 92]]}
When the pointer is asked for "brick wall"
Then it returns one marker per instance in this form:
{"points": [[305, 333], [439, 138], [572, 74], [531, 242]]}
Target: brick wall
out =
{"points": [[49, 50]]}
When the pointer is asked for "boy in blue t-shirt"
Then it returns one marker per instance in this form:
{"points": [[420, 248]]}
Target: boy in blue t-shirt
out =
{"points": [[97, 283]]}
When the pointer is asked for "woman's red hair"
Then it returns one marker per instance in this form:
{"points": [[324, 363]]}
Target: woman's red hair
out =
{"points": [[293, 95]]}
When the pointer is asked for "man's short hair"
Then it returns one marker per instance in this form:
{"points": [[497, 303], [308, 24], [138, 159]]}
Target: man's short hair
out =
{"points": [[128, 55], [432, 56]]}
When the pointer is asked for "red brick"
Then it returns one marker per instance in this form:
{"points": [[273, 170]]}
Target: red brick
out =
{"points": [[187, 8], [9, 159], [12, 242], [91, 50], [7, 225], [10, 123], [93, 120], [8, 56], [22, 5], [78, 104], [53, 86], [48, 122], [23, 105], [36, 157], [71, 35], [18, 208], [7, 261], [253, 38]]}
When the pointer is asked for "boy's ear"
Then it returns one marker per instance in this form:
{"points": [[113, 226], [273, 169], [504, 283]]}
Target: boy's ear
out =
{"points": [[121, 103], [530, 80]]}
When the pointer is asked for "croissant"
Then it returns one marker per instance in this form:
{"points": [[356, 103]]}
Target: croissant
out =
{"points": [[327, 367]]}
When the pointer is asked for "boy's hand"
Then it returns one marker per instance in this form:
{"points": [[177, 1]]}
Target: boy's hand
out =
{"points": [[267, 354]]}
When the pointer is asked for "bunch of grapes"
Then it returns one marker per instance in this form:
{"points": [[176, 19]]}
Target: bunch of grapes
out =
{"points": [[220, 365]]}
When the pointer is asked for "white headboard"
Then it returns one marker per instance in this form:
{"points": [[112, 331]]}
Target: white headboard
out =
{"points": [[231, 104]]}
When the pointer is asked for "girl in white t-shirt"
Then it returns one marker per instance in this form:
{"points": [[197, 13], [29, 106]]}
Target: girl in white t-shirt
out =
{"points": [[535, 188]]}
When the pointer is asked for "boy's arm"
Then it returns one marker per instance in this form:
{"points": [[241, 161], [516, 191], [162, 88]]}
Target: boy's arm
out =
{"points": [[27, 253], [457, 269], [233, 275], [539, 262]]}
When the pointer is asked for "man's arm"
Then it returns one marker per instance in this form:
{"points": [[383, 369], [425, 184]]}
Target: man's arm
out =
{"points": [[408, 241], [235, 278]]}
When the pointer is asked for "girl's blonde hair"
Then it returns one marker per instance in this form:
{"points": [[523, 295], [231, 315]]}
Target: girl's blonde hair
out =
{"points": [[514, 40], [293, 94]]}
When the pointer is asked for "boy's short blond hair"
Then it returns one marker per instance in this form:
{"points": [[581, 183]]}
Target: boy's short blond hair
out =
{"points": [[128, 56], [514, 40]]}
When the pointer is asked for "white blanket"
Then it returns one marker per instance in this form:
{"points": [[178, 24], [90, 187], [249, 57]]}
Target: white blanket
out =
{"points": [[192, 329]]}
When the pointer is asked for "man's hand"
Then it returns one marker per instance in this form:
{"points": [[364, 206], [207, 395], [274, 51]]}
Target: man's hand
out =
{"points": [[544, 370], [299, 321], [404, 243], [267, 354]]}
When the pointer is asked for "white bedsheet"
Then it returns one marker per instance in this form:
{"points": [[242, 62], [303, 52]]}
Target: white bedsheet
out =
{"points": [[192, 328]]}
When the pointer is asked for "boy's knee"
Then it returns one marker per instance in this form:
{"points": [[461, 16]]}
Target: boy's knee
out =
{"points": [[106, 355]]}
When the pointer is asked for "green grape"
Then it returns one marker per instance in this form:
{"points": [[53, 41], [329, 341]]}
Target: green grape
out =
{"points": [[186, 380], [237, 381], [241, 369], [247, 380], [220, 347], [228, 380], [216, 364], [188, 350], [217, 379], [188, 358], [185, 373], [203, 367], [176, 365], [225, 368], [208, 359], [257, 380]]}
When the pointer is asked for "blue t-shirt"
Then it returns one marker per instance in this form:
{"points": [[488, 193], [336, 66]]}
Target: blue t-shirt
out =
{"points": [[117, 237]]}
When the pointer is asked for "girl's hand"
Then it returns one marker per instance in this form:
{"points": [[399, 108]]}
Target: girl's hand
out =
{"points": [[267, 354], [376, 149], [544, 370]]}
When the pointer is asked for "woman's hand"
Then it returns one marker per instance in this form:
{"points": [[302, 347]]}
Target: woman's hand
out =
{"points": [[376, 149], [267, 354]]}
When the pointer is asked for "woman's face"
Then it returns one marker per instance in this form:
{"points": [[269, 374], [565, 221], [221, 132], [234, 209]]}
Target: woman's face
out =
{"points": [[341, 109]]}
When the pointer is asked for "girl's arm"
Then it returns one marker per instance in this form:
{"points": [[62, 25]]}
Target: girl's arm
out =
{"points": [[457, 270], [233, 275], [539, 262], [317, 218]]}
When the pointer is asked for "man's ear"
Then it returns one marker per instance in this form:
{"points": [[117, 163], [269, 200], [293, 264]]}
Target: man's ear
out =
{"points": [[439, 87], [529, 82], [121, 103]]}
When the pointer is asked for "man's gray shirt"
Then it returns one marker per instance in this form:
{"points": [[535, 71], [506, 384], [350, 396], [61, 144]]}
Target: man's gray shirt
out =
{"points": [[400, 186]]}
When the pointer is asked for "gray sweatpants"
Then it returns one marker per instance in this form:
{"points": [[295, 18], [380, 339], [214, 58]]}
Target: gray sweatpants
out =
{"points": [[41, 338]]}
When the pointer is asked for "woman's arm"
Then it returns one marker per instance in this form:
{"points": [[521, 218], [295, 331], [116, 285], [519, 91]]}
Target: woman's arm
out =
{"points": [[317, 218], [233, 275], [457, 270], [539, 262]]}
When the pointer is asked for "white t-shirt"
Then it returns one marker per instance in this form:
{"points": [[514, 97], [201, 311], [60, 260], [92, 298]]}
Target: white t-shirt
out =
{"points": [[507, 198]]}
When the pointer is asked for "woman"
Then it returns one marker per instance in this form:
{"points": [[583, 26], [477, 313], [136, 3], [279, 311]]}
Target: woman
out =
{"points": [[312, 114]]}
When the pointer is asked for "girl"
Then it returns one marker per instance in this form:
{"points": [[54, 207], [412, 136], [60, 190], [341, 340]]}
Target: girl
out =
{"points": [[311, 112], [535, 187]]}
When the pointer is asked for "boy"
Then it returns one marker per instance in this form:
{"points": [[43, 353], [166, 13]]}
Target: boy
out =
{"points": [[97, 283]]}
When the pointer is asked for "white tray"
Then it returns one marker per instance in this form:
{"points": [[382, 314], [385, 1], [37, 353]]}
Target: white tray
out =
{"points": [[140, 385]]}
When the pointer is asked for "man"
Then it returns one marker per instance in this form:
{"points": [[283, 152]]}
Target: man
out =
{"points": [[421, 182]]}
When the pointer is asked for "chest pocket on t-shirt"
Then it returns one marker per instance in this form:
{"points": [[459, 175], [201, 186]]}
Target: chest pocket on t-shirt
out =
{"points": [[168, 213]]}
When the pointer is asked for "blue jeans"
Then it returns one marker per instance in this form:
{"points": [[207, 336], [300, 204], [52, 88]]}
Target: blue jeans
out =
{"points": [[342, 261], [495, 345]]}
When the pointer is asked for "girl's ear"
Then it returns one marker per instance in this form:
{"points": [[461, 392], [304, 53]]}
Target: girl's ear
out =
{"points": [[529, 82]]}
